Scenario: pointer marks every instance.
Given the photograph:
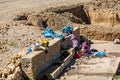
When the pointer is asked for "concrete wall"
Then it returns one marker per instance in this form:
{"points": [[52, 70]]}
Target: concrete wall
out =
{"points": [[34, 63]]}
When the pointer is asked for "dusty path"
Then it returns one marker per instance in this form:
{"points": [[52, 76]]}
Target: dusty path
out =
{"points": [[5, 1], [9, 8]]}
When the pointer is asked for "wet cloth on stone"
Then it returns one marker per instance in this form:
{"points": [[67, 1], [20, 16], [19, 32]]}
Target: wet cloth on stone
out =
{"points": [[29, 50], [34, 47], [67, 29], [48, 33]]}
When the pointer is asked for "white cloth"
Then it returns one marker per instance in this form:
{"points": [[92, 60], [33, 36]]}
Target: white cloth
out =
{"points": [[71, 36], [74, 41]]}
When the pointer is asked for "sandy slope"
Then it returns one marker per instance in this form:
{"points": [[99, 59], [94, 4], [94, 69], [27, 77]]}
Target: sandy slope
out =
{"points": [[9, 8]]}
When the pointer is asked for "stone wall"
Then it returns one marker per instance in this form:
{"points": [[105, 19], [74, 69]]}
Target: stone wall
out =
{"points": [[33, 63]]}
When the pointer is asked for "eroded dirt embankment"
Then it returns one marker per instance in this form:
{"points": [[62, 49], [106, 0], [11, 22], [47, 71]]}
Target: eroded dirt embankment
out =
{"points": [[102, 25], [104, 12]]}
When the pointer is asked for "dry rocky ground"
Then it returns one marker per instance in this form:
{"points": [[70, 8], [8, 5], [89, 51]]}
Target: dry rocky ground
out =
{"points": [[21, 21]]}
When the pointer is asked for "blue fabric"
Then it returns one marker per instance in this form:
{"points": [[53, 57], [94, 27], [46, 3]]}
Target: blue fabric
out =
{"points": [[48, 30], [48, 33], [29, 50], [67, 29], [57, 36], [99, 54]]}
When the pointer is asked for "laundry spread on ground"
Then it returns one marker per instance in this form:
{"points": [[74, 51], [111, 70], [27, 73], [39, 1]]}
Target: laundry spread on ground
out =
{"points": [[99, 54]]}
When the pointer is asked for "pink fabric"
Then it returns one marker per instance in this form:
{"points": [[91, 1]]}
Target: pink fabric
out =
{"points": [[84, 48]]}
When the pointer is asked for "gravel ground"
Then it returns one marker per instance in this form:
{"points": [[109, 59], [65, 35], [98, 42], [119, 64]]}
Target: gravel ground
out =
{"points": [[9, 8]]}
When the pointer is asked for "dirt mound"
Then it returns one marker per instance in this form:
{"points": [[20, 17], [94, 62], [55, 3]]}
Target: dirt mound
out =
{"points": [[100, 32], [104, 12], [105, 4], [48, 19]]}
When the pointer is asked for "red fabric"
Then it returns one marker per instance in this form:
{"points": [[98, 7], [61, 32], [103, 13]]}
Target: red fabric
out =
{"points": [[77, 56], [74, 38]]}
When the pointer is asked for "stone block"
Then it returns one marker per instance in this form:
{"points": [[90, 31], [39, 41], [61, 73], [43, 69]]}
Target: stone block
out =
{"points": [[76, 31], [34, 63]]}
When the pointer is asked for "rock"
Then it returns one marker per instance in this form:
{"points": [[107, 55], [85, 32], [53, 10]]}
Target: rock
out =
{"points": [[73, 67], [34, 20], [2, 79], [1, 60], [11, 66], [22, 53], [117, 41], [17, 75], [18, 70], [0, 74], [6, 72], [10, 77], [18, 63]]}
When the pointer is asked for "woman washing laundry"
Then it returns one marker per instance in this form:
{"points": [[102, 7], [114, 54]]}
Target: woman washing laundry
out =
{"points": [[85, 49], [74, 40]]}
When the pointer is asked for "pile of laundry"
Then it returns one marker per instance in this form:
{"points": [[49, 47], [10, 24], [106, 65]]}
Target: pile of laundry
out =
{"points": [[42, 45], [50, 33]]}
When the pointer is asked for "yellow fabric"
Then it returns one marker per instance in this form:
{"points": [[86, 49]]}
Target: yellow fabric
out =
{"points": [[44, 42]]}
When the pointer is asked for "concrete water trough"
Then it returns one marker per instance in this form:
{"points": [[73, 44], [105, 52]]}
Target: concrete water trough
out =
{"points": [[55, 69], [33, 64]]}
